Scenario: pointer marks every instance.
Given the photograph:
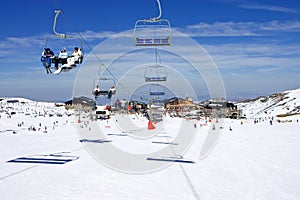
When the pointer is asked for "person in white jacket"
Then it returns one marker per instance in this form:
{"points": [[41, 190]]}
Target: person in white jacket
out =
{"points": [[62, 57], [63, 54], [76, 55], [71, 61]]}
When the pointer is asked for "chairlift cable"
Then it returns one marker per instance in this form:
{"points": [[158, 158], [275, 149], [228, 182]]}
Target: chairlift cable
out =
{"points": [[78, 32], [87, 44]]}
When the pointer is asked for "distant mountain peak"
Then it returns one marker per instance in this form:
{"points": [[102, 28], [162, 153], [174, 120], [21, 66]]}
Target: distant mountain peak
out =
{"points": [[282, 104]]}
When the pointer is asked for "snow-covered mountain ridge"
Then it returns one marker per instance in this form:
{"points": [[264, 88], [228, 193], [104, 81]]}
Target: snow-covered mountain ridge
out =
{"points": [[282, 104]]}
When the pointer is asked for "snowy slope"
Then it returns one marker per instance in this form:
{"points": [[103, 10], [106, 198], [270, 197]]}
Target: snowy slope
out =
{"points": [[280, 104], [252, 161]]}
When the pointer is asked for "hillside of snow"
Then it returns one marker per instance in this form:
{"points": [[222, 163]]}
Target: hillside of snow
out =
{"points": [[34, 116], [281, 105]]}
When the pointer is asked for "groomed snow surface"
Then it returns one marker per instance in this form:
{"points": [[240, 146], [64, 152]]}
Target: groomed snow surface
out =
{"points": [[43, 157]]}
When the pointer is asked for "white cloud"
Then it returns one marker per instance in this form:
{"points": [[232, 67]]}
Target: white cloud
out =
{"points": [[257, 6], [235, 56], [220, 29], [285, 26], [97, 35], [240, 28]]}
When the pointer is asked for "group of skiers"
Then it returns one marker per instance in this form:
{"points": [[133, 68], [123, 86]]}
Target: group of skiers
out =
{"points": [[48, 57]]}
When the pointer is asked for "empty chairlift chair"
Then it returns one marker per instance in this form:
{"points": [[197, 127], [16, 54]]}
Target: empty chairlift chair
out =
{"points": [[152, 32], [155, 73], [156, 90]]}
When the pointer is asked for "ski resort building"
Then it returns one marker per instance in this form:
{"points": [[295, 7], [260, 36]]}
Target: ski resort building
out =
{"points": [[210, 108]]}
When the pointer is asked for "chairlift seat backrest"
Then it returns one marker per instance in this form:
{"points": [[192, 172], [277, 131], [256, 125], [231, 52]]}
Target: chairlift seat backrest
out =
{"points": [[103, 92], [157, 93], [153, 41], [155, 79]]}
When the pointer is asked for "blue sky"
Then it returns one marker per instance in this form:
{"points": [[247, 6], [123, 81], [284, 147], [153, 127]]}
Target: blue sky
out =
{"points": [[255, 44]]}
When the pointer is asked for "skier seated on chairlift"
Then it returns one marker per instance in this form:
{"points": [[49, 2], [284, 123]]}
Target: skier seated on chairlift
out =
{"points": [[46, 57], [76, 55], [110, 92], [96, 91], [62, 57]]}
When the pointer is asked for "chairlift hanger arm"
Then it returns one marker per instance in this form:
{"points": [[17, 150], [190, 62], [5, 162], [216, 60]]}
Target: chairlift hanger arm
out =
{"points": [[104, 79], [160, 12], [157, 57], [61, 35]]}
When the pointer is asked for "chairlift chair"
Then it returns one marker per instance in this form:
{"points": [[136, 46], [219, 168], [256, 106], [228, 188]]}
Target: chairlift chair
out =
{"points": [[58, 38], [152, 32], [155, 73], [104, 92], [156, 90]]}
